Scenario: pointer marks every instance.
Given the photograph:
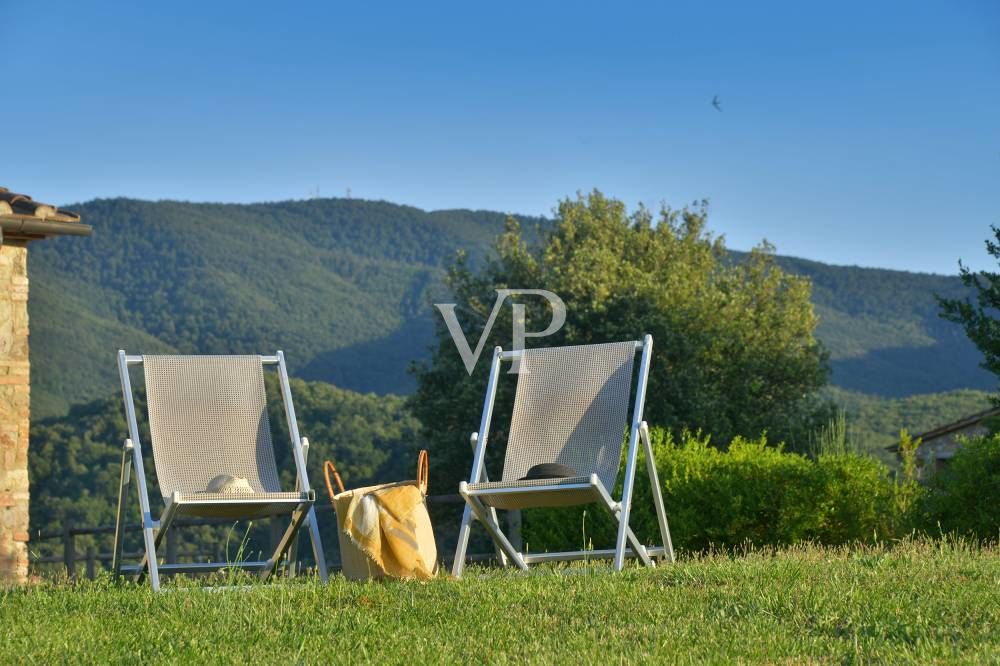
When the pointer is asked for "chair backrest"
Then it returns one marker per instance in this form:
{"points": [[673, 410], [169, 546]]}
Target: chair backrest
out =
{"points": [[570, 407], [208, 416]]}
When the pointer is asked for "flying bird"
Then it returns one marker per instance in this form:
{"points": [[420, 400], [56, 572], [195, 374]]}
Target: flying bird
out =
{"points": [[716, 103]]}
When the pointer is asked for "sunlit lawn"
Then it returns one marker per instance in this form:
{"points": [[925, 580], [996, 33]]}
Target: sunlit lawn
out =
{"points": [[912, 602]]}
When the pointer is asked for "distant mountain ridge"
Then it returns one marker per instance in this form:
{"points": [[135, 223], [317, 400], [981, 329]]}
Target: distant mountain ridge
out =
{"points": [[345, 287], [884, 333]]}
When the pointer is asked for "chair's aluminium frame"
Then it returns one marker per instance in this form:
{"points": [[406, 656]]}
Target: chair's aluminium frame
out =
{"points": [[476, 509], [302, 512]]}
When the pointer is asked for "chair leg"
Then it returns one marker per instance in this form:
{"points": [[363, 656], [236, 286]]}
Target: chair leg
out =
{"points": [[654, 481], [154, 572], [633, 540], [502, 556], [626, 503], [148, 526], [292, 560], [299, 516], [493, 527], [123, 488], [293, 548], [465, 530], [485, 478], [317, 545], [158, 533], [458, 566]]}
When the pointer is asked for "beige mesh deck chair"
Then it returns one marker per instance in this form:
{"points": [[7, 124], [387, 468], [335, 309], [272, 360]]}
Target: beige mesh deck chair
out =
{"points": [[570, 408], [208, 422]]}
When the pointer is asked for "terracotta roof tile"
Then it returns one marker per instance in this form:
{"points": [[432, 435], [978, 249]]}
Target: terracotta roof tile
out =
{"points": [[21, 206]]}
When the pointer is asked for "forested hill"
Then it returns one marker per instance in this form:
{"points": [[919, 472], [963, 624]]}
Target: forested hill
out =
{"points": [[884, 333], [345, 287], [342, 286]]}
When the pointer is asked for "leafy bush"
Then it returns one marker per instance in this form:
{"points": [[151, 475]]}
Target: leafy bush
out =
{"points": [[857, 499], [751, 492], [964, 497], [908, 488]]}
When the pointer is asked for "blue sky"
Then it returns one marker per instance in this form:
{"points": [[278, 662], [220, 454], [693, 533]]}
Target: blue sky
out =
{"points": [[857, 133]]}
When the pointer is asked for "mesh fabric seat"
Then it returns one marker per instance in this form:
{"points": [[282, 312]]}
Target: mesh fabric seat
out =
{"points": [[208, 416], [570, 407]]}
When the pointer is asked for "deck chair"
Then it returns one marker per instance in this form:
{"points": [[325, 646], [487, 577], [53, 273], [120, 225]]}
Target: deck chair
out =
{"points": [[570, 406], [208, 417]]}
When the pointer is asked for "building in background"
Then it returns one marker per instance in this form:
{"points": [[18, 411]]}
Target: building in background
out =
{"points": [[939, 445], [22, 220]]}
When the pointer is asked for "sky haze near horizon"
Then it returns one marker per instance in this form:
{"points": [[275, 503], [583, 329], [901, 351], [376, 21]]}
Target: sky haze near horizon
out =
{"points": [[849, 134]]}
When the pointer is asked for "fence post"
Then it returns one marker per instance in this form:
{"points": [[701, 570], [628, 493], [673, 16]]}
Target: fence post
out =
{"points": [[69, 550], [171, 546], [514, 529], [275, 532], [91, 563]]}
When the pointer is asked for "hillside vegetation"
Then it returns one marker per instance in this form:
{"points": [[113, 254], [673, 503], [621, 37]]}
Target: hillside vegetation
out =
{"points": [[884, 331], [875, 421], [342, 286], [345, 288]]}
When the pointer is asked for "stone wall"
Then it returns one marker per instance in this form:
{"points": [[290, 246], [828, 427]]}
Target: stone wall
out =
{"points": [[14, 412]]}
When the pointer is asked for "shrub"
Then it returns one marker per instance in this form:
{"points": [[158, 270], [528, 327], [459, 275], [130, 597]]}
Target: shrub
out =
{"points": [[752, 492], [908, 488], [964, 497], [857, 498]]}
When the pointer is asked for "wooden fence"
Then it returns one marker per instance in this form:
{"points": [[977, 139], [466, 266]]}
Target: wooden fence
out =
{"points": [[92, 558]]}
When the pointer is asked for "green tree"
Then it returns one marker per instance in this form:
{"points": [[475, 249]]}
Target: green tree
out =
{"points": [[734, 352], [982, 328]]}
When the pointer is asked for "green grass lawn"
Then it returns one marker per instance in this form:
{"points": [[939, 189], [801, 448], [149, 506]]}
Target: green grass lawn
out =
{"points": [[912, 602]]}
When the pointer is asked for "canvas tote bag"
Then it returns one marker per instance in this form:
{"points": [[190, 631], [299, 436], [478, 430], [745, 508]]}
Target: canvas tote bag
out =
{"points": [[384, 530]]}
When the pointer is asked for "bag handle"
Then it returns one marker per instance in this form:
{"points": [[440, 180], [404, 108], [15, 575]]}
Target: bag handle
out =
{"points": [[330, 468], [423, 474], [422, 471]]}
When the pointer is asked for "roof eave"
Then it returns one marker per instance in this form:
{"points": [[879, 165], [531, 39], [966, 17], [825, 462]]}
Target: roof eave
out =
{"points": [[23, 227]]}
